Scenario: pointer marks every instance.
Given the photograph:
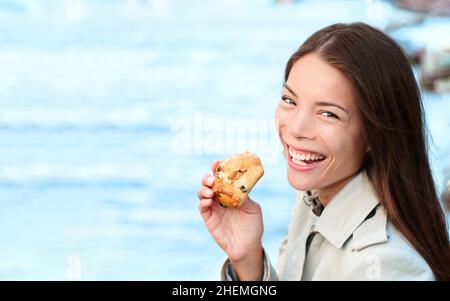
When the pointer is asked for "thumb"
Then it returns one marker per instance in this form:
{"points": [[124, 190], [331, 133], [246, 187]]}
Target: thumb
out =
{"points": [[251, 206]]}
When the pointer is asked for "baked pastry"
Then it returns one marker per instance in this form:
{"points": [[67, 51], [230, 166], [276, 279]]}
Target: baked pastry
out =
{"points": [[235, 178]]}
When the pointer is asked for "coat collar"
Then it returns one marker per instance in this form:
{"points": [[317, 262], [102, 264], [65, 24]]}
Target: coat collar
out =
{"points": [[348, 209]]}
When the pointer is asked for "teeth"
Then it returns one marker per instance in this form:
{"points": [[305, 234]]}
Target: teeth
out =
{"points": [[299, 162], [299, 157]]}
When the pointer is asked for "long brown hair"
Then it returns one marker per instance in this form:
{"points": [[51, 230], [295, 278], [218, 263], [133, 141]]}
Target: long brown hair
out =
{"points": [[389, 103]]}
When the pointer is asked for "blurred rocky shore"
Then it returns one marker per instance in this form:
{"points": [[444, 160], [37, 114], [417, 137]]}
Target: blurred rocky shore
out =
{"points": [[432, 53]]}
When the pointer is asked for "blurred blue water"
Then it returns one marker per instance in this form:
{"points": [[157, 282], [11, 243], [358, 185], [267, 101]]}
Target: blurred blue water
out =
{"points": [[90, 186]]}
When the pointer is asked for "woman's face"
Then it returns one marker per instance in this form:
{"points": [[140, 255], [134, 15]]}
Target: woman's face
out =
{"points": [[319, 127]]}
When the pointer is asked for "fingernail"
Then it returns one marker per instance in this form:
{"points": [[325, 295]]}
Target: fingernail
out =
{"points": [[210, 180]]}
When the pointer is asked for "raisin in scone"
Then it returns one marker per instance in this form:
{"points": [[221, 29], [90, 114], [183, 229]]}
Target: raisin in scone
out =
{"points": [[235, 178]]}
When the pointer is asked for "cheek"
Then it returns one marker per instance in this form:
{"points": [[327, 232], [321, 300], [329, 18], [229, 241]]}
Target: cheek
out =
{"points": [[333, 137], [280, 119], [345, 147]]}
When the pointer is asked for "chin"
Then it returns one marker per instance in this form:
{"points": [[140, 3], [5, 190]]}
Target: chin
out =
{"points": [[300, 184]]}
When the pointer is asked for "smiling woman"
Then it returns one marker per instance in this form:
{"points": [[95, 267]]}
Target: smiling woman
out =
{"points": [[351, 123]]}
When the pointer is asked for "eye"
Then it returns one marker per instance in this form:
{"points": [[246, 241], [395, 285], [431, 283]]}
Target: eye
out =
{"points": [[329, 115], [288, 100]]}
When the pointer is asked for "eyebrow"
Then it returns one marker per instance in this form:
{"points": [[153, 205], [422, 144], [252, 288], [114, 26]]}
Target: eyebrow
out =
{"points": [[320, 103], [290, 90]]}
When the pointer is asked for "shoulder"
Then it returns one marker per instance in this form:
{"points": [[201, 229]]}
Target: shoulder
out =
{"points": [[380, 252]]}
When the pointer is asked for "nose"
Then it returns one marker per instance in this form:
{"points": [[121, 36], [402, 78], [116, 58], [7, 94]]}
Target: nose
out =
{"points": [[301, 125]]}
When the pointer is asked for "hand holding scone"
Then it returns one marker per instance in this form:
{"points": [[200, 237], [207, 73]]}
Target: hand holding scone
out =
{"points": [[235, 178], [237, 230]]}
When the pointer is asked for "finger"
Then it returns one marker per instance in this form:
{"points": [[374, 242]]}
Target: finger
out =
{"points": [[205, 208], [205, 193], [214, 166], [208, 180], [205, 204]]}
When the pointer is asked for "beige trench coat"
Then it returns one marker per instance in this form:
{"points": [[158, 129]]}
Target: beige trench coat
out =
{"points": [[351, 239]]}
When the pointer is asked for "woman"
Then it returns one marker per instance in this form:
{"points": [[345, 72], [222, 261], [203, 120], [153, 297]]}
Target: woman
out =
{"points": [[352, 127]]}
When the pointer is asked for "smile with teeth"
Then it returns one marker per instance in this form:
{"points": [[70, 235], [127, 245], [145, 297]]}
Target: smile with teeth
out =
{"points": [[305, 159]]}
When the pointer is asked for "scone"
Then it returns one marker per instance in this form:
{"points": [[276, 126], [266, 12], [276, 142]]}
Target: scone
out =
{"points": [[235, 178]]}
